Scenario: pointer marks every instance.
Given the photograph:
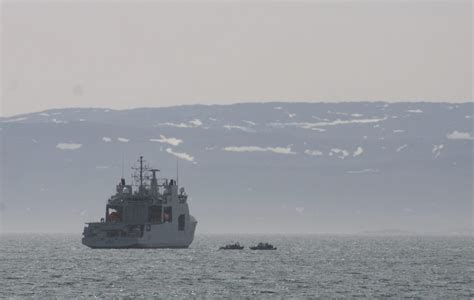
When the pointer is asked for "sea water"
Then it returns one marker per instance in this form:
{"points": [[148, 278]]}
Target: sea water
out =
{"points": [[303, 266]]}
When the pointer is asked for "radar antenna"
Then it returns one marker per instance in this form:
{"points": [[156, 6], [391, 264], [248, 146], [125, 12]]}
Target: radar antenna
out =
{"points": [[153, 171]]}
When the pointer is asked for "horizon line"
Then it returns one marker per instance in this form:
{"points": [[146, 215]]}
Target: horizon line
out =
{"points": [[3, 116]]}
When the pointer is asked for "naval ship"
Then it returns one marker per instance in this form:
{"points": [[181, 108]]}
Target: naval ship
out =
{"points": [[151, 213]]}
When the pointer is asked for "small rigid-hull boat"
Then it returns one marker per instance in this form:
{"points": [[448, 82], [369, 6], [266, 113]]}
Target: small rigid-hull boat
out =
{"points": [[235, 246], [263, 246]]}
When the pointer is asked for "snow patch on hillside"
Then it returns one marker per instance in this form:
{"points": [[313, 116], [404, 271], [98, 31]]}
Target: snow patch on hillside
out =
{"points": [[15, 120], [56, 121], [68, 146], [246, 129], [179, 125], [458, 135], [299, 210], [308, 125], [181, 155], [195, 122], [249, 122], [437, 150], [401, 147], [337, 113], [341, 153], [190, 124], [278, 150], [172, 141], [320, 119], [358, 152], [313, 152], [363, 171]]}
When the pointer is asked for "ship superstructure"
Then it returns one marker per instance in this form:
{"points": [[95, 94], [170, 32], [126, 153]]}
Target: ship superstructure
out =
{"points": [[152, 213]]}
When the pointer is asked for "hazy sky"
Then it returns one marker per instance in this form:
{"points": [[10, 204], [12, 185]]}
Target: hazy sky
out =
{"points": [[128, 54]]}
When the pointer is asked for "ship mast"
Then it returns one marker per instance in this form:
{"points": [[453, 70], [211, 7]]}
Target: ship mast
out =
{"points": [[141, 171], [140, 177]]}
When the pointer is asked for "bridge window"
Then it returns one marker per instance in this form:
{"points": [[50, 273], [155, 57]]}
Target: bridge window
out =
{"points": [[154, 214], [114, 214], [181, 222], [167, 214]]}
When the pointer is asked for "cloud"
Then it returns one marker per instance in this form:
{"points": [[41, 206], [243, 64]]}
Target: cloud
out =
{"points": [[106, 139], [123, 140], [416, 111], [183, 155], [165, 140], [279, 150], [457, 135]]}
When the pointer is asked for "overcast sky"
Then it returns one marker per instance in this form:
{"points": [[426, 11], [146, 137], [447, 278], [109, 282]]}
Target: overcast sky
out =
{"points": [[130, 54]]}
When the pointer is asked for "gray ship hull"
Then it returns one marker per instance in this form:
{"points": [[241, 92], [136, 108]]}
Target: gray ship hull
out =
{"points": [[152, 236]]}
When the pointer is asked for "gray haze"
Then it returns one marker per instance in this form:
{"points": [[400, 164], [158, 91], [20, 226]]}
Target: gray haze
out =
{"points": [[270, 167], [124, 54]]}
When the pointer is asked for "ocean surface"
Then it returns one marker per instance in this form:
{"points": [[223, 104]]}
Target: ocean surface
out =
{"points": [[306, 266]]}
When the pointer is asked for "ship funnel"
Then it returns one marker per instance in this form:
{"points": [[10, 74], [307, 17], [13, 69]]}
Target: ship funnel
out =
{"points": [[154, 181]]}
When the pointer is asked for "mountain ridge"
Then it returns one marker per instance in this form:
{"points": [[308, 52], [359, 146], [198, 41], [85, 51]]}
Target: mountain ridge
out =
{"points": [[250, 167]]}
